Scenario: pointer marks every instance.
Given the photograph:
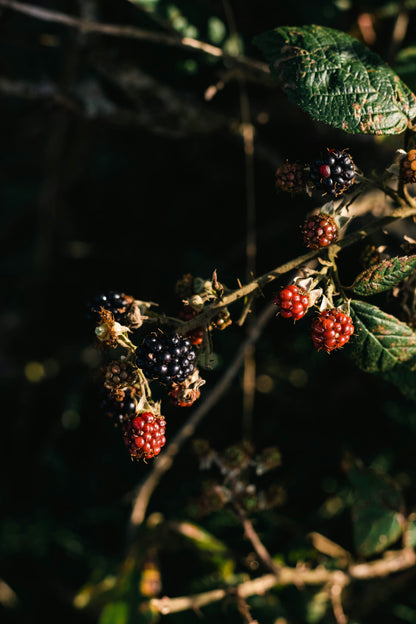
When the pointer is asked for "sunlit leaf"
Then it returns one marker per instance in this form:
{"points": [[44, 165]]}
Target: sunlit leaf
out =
{"points": [[338, 80]]}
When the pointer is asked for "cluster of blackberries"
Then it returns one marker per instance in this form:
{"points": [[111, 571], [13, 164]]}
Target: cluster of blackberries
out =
{"points": [[115, 302], [333, 173], [166, 357], [331, 328]]}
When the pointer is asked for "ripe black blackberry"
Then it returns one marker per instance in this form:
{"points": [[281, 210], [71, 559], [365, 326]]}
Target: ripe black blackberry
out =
{"points": [[167, 357], [115, 302], [334, 173], [118, 411]]}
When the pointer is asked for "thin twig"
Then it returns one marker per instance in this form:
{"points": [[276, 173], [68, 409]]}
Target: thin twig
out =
{"points": [[256, 542], [398, 561], [131, 32]]}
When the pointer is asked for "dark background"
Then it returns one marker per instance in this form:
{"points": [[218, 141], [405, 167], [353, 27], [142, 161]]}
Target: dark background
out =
{"points": [[116, 173]]}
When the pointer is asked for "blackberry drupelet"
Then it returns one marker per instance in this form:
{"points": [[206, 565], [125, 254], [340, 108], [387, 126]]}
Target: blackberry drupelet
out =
{"points": [[167, 357], [115, 302], [334, 173]]}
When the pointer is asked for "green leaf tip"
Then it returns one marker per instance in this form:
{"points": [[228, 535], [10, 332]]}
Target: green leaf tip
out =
{"points": [[384, 276], [337, 80]]}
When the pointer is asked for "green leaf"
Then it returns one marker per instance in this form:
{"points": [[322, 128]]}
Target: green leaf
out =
{"points": [[384, 275], [377, 510], [337, 80], [409, 537], [404, 378], [380, 341], [114, 613]]}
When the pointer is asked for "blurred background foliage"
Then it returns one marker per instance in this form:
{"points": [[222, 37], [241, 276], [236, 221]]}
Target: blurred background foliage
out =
{"points": [[123, 167]]}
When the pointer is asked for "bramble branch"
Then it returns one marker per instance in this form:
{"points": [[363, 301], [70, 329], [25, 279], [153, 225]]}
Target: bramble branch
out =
{"points": [[132, 32], [398, 561], [403, 211]]}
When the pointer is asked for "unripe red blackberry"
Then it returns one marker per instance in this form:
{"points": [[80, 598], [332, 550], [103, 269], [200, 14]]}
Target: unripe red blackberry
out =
{"points": [[334, 173], [290, 177], [319, 230], [331, 329], [292, 302], [408, 167], [169, 357], [144, 435], [115, 302]]}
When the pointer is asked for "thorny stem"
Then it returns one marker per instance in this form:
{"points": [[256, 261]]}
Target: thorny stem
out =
{"points": [[256, 542], [255, 286], [400, 561]]}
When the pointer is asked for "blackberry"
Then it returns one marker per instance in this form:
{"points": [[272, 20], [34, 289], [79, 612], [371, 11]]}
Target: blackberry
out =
{"points": [[144, 435], [331, 329], [408, 167], [290, 177], [334, 173], [167, 357], [319, 230], [115, 302], [196, 336], [118, 411], [180, 396], [119, 375], [292, 302]]}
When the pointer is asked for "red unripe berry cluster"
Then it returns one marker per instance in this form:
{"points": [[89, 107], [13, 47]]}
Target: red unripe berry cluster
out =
{"points": [[331, 329], [292, 302], [144, 435], [319, 230]]}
